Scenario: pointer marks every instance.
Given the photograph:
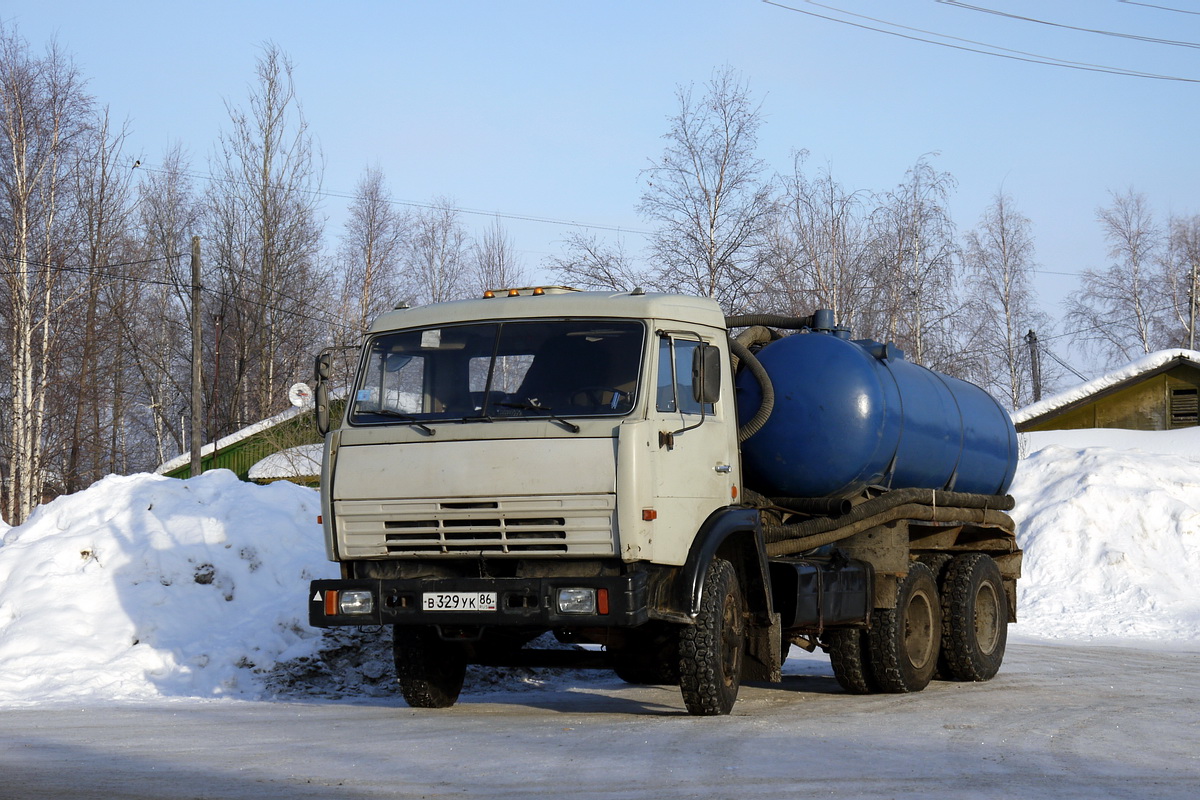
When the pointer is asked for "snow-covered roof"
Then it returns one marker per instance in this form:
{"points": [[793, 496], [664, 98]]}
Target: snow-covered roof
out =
{"points": [[233, 438], [295, 462], [1145, 366]]}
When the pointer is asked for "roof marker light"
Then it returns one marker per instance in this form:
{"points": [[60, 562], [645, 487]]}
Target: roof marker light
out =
{"points": [[489, 294], [538, 292], [514, 292]]}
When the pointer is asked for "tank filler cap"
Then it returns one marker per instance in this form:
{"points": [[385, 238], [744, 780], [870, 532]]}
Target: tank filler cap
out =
{"points": [[883, 352], [824, 321]]}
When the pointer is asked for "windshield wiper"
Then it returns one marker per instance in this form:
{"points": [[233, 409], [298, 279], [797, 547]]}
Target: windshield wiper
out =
{"points": [[409, 418], [531, 404]]}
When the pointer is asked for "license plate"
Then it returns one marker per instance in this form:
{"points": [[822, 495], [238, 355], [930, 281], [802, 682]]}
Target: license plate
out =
{"points": [[458, 601]]}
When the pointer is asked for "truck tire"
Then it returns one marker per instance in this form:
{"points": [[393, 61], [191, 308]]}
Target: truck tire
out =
{"points": [[905, 640], [937, 564], [430, 671], [974, 618], [711, 650], [849, 654]]}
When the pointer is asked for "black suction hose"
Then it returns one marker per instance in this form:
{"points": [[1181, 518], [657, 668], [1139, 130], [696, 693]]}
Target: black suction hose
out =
{"points": [[742, 353], [754, 425], [769, 320]]}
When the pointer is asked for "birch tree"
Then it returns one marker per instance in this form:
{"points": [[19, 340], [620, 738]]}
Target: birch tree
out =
{"points": [[159, 339], [494, 262], [370, 257], [591, 263], [1181, 279], [43, 110], [436, 254], [707, 195], [263, 240], [818, 252], [1115, 311], [915, 265], [999, 259]]}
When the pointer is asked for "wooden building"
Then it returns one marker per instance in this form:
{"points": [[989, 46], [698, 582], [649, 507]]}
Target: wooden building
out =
{"points": [[240, 451], [1155, 393]]}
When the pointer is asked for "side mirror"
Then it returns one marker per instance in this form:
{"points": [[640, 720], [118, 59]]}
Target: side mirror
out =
{"points": [[322, 408], [324, 367], [706, 374]]}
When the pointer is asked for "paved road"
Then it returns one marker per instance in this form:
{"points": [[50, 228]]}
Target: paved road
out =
{"points": [[1058, 722]]}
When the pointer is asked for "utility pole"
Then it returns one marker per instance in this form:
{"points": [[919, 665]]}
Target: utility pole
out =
{"points": [[1035, 365], [1192, 310], [197, 439]]}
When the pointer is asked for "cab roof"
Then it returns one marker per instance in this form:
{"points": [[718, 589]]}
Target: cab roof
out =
{"points": [[558, 304]]}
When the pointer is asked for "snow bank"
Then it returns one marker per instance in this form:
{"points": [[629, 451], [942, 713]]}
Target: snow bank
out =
{"points": [[1111, 534], [295, 462], [146, 586]]}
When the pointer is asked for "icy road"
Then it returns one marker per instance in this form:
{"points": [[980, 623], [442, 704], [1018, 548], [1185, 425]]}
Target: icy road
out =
{"points": [[1059, 722]]}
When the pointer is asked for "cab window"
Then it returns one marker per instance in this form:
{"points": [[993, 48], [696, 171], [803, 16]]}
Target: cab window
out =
{"points": [[674, 383]]}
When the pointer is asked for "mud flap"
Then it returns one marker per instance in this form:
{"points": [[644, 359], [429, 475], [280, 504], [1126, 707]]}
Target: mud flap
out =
{"points": [[764, 652]]}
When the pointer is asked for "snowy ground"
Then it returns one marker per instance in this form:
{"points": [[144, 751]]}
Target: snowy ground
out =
{"points": [[1068, 722], [146, 602]]}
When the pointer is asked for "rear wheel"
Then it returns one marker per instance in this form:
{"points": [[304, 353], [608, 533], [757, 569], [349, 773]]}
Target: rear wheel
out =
{"points": [[849, 655], [905, 640], [711, 651], [430, 671], [975, 618]]}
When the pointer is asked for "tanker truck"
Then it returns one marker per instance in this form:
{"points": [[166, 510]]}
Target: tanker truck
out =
{"points": [[633, 481]]}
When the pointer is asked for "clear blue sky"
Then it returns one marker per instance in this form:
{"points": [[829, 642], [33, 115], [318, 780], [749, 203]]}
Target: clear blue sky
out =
{"points": [[550, 109]]}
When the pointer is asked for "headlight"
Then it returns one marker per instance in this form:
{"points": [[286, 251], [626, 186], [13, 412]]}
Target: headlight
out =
{"points": [[355, 601], [577, 601]]}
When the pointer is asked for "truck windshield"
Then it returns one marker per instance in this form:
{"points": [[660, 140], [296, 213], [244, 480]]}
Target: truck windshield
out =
{"points": [[486, 371]]}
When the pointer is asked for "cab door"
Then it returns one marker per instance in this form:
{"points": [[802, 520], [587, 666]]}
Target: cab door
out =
{"points": [[696, 464]]}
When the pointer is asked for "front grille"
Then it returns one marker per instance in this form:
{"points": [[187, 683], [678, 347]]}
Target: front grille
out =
{"points": [[574, 525]]}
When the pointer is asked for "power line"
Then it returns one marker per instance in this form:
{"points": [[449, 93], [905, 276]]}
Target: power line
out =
{"points": [[212, 291], [509, 215], [1060, 362], [996, 50], [1022, 18], [1160, 8]]}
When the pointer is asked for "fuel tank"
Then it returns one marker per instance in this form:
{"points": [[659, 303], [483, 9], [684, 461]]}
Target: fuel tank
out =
{"points": [[852, 414]]}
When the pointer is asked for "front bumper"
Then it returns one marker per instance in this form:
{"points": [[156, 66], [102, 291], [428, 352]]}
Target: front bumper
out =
{"points": [[519, 602]]}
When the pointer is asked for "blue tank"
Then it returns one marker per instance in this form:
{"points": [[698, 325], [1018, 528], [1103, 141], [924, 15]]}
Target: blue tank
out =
{"points": [[850, 415]]}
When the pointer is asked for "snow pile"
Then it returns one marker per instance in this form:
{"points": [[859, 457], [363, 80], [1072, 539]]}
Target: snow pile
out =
{"points": [[146, 586], [1111, 534], [295, 462]]}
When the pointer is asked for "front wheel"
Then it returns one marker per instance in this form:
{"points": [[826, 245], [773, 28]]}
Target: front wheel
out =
{"points": [[710, 651], [430, 671]]}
